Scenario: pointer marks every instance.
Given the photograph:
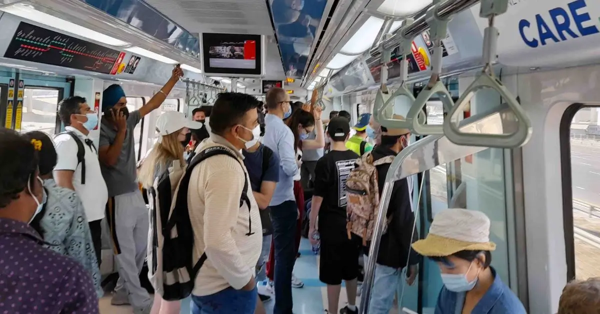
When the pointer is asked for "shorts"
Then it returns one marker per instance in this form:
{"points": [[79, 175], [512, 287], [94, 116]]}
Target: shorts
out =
{"points": [[339, 260]]}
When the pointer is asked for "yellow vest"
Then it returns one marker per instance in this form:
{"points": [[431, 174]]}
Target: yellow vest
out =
{"points": [[354, 144]]}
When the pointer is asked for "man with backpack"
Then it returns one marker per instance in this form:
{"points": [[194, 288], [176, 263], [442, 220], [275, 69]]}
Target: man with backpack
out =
{"points": [[78, 168], [339, 254], [365, 185], [358, 143], [223, 212], [263, 169]]}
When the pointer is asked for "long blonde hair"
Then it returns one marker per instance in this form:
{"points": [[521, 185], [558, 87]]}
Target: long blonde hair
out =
{"points": [[168, 149]]}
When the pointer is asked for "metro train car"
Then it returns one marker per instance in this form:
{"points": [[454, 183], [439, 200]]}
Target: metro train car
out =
{"points": [[502, 99]]}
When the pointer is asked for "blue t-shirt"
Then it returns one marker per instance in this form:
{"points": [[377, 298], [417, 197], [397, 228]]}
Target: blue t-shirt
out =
{"points": [[254, 164]]}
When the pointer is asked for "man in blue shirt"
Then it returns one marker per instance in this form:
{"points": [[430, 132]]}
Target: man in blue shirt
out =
{"points": [[263, 169], [284, 212]]}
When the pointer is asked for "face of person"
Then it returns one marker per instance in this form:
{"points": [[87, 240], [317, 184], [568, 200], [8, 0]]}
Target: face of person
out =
{"points": [[305, 131], [459, 266], [182, 134], [199, 116], [243, 131]]}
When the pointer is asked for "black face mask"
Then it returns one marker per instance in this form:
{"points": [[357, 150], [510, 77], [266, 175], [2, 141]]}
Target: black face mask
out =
{"points": [[201, 121], [389, 141], [124, 110]]}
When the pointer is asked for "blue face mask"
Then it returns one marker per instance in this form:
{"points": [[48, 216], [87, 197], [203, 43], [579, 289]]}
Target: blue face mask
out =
{"points": [[92, 121], [288, 113], [459, 282], [303, 136], [370, 132]]}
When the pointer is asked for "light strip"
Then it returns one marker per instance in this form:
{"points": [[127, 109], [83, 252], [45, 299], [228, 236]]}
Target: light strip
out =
{"points": [[363, 39], [151, 55], [190, 68], [29, 12], [339, 61]]}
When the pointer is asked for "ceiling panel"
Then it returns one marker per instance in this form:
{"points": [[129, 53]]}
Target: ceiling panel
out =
{"points": [[226, 16]]}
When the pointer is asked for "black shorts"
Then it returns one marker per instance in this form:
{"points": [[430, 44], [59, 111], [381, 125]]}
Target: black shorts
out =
{"points": [[339, 260]]}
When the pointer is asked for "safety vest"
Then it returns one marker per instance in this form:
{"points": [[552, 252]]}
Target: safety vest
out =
{"points": [[358, 145]]}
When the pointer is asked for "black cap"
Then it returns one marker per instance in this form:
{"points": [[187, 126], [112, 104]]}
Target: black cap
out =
{"points": [[338, 129]]}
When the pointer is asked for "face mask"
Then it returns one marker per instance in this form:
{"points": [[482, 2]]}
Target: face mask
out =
{"points": [[256, 136], [371, 132], [40, 204], [303, 136], [288, 113], [92, 121], [251, 142], [407, 142], [201, 121], [459, 282], [125, 112]]}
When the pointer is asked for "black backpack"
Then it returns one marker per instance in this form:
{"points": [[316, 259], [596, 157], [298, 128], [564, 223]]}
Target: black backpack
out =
{"points": [[80, 152], [178, 234]]}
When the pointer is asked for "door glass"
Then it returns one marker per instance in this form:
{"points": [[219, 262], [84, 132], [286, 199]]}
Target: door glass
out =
{"points": [[135, 103], [39, 110], [585, 172], [169, 104]]}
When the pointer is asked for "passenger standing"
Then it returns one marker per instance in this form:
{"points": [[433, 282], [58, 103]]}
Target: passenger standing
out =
{"points": [[165, 159], [284, 212], [82, 176], [332, 115], [126, 209], [263, 169], [227, 232], [30, 283], [62, 221], [580, 297], [196, 136], [358, 143], [459, 241], [395, 243], [313, 144], [339, 255]]}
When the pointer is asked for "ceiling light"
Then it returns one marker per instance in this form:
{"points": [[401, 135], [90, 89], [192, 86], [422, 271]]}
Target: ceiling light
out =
{"points": [[240, 86], [403, 8], [363, 39], [395, 26], [339, 61], [30, 13], [228, 81], [190, 68], [151, 55], [324, 73], [216, 78]]}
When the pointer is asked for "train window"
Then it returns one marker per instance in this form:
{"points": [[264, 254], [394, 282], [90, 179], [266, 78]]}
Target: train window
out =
{"points": [[170, 104], [135, 103], [39, 110], [585, 173], [435, 112], [362, 108]]}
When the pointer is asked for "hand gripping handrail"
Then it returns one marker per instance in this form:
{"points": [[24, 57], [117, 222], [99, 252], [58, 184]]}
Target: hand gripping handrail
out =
{"points": [[487, 79], [439, 30]]}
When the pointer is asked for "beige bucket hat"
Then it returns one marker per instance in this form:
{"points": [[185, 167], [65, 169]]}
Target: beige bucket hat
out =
{"points": [[454, 230]]}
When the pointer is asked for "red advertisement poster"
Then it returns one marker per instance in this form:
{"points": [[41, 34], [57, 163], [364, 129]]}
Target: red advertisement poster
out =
{"points": [[97, 107], [418, 57], [250, 50], [117, 63]]}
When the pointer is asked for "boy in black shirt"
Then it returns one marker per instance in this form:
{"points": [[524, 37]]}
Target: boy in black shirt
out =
{"points": [[339, 255]]}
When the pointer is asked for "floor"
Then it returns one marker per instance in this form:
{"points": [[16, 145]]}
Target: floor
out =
{"points": [[304, 299]]}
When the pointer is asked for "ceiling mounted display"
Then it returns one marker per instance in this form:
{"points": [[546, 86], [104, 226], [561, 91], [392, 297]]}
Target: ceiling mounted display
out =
{"points": [[267, 85], [296, 24], [232, 54]]}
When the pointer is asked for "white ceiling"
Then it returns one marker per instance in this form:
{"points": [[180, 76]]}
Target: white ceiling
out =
{"points": [[226, 16]]}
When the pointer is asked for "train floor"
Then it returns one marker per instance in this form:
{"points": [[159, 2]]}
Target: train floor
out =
{"points": [[304, 298]]}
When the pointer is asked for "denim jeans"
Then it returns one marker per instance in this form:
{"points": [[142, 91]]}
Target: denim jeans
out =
{"points": [[284, 231], [261, 272], [225, 301], [385, 286]]}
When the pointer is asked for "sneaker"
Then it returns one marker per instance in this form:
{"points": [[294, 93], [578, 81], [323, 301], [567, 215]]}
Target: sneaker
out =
{"points": [[119, 299], [346, 310], [264, 298], [296, 283], [265, 288]]}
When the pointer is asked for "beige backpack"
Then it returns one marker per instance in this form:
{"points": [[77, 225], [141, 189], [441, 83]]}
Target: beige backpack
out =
{"points": [[363, 197]]}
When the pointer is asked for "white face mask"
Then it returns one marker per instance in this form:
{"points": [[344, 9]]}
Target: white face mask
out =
{"points": [[256, 136]]}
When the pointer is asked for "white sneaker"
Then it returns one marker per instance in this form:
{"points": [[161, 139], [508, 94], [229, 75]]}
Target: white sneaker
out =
{"points": [[265, 288], [296, 283]]}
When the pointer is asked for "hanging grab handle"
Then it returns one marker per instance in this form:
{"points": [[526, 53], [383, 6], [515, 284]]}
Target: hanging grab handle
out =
{"points": [[439, 30], [486, 79]]}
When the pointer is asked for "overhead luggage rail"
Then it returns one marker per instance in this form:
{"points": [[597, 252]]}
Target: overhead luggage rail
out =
{"points": [[419, 157], [439, 31], [486, 79]]}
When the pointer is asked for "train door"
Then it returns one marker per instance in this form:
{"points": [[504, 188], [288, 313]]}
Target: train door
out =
{"points": [[39, 97]]}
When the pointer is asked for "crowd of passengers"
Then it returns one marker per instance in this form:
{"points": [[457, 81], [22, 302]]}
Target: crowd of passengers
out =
{"points": [[56, 193]]}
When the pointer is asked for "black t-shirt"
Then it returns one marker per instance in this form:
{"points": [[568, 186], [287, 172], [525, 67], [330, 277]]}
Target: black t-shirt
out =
{"points": [[331, 173]]}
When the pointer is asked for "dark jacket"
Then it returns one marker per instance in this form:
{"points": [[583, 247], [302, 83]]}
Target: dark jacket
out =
{"points": [[395, 243]]}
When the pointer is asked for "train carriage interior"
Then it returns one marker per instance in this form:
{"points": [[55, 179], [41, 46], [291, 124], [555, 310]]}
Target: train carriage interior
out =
{"points": [[502, 121]]}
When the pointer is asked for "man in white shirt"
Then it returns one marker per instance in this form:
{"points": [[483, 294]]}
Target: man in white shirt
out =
{"points": [[82, 176]]}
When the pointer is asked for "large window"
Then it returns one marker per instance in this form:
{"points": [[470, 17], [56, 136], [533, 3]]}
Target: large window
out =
{"points": [[39, 110], [585, 175]]}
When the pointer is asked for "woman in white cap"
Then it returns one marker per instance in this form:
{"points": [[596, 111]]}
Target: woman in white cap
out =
{"points": [[160, 172], [458, 241]]}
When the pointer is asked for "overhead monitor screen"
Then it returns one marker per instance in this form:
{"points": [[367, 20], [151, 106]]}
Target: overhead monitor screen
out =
{"points": [[37, 44], [232, 54], [267, 85]]}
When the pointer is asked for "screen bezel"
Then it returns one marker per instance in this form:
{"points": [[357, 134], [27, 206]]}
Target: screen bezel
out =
{"points": [[257, 71], [263, 82]]}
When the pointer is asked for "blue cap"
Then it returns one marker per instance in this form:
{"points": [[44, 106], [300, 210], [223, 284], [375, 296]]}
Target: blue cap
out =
{"points": [[363, 121], [111, 96]]}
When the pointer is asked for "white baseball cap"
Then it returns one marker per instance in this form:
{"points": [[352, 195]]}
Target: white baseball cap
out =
{"points": [[173, 121]]}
